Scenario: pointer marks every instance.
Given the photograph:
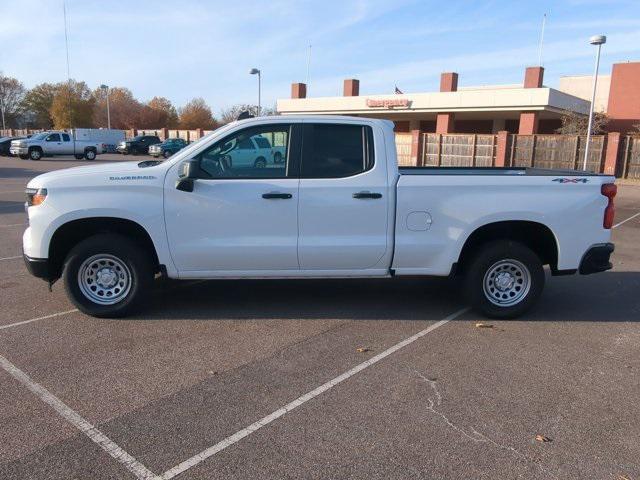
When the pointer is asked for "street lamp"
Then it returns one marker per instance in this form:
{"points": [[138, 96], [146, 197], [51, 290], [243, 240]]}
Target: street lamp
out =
{"points": [[255, 71], [106, 90], [595, 40]]}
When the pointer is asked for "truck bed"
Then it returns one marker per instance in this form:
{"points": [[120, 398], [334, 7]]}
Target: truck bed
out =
{"points": [[529, 171]]}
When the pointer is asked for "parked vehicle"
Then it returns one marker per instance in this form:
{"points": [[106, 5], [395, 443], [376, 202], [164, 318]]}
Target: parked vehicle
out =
{"points": [[167, 148], [255, 151], [5, 145], [137, 145], [52, 143], [109, 138], [337, 206]]}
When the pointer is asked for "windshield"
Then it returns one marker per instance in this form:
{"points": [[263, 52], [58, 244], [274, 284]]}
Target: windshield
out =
{"points": [[136, 139], [40, 136]]}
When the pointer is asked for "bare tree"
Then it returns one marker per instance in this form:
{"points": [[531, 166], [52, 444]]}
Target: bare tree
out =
{"points": [[576, 124], [231, 114], [11, 94]]}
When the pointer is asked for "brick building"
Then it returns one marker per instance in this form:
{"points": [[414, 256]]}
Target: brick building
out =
{"points": [[527, 108]]}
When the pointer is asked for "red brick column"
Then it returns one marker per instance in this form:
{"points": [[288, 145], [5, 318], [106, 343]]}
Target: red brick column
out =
{"points": [[445, 123], [528, 123], [611, 155], [415, 147], [351, 87], [298, 90], [533, 77], [501, 148]]}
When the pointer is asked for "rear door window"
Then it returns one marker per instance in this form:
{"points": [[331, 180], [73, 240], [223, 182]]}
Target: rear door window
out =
{"points": [[65, 138], [336, 151]]}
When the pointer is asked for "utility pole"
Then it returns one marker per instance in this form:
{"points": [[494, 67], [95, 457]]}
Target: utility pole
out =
{"points": [[598, 40]]}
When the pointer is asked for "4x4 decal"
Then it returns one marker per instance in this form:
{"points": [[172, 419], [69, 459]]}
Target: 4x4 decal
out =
{"points": [[570, 180]]}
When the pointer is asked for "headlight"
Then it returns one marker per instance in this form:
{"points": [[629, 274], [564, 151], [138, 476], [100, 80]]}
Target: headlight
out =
{"points": [[35, 196]]}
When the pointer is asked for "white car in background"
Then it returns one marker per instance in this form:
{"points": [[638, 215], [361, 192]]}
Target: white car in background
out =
{"points": [[253, 151]]}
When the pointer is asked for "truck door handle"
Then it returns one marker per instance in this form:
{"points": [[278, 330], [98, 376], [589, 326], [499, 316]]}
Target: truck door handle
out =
{"points": [[276, 195], [361, 195]]}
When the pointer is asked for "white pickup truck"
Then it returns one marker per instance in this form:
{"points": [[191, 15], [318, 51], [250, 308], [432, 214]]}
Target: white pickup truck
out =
{"points": [[53, 143], [337, 206]]}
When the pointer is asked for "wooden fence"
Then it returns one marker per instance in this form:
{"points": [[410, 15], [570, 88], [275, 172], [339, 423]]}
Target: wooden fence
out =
{"points": [[457, 150], [540, 151], [555, 151], [629, 158], [403, 149]]}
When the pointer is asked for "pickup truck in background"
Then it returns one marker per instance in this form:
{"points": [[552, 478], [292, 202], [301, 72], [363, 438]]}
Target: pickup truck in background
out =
{"points": [[53, 143], [336, 206], [137, 145]]}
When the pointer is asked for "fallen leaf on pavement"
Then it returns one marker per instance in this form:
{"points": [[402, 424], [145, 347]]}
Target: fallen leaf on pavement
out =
{"points": [[363, 349], [542, 438], [484, 325]]}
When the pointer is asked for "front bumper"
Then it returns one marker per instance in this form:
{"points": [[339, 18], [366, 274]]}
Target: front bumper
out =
{"points": [[597, 259], [19, 150], [38, 267], [121, 149]]}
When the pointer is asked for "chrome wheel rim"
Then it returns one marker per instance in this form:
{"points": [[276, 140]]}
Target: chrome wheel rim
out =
{"points": [[506, 283], [104, 279]]}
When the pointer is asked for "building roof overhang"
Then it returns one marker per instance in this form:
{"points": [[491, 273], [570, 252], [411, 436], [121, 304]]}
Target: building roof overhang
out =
{"points": [[481, 100]]}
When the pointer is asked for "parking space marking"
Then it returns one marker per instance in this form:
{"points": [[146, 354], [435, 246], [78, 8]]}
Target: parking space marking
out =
{"points": [[2, 327], [236, 437], [11, 258], [130, 463], [625, 221]]}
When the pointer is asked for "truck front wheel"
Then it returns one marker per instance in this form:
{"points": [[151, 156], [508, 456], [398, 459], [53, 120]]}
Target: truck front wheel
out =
{"points": [[35, 154], [107, 275], [90, 154], [504, 279]]}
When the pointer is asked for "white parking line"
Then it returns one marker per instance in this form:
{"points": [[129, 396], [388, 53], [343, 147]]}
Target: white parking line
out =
{"points": [[625, 221], [130, 463], [2, 327], [11, 258], [236, 437]]}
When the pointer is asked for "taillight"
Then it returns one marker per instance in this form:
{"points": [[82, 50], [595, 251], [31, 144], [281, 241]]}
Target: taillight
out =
{"points": [[609, 190]]}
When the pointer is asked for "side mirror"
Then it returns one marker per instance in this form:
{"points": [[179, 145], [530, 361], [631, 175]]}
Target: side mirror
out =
{"points": [[188, 173]]}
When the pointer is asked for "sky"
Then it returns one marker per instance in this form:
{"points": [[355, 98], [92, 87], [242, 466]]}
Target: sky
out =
{"points": [[194, 48]]}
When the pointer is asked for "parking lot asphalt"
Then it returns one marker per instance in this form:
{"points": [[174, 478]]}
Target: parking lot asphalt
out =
{"points": [[318, 379]]}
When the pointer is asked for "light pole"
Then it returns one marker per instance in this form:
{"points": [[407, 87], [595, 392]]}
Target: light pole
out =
{"points": [[595, 40], [255, 71], [106, 90]]}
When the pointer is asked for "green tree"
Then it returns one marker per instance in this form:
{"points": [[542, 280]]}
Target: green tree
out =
{"points": [[37, 104], [72, 106], [197, 114]]}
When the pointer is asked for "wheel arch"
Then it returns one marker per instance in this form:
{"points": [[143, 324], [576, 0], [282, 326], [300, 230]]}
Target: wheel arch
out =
{"points": [[537, 236], [69, 234]]}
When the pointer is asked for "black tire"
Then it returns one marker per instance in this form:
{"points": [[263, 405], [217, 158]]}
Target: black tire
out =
{"points": [[504, 279], [167, 153], [24, 157], [277, 157], [136, 265], [35, 154], [260, 162], [79, 157], [90, 154], [134, 151]]}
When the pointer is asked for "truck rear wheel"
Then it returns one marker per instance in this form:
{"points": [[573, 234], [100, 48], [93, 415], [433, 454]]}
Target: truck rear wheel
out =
{"points": [[107, 275], [504, 279], [90, 154]]}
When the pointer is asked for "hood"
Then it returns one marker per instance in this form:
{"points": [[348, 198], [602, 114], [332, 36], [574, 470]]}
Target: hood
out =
{"points": [[105, 169]]}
